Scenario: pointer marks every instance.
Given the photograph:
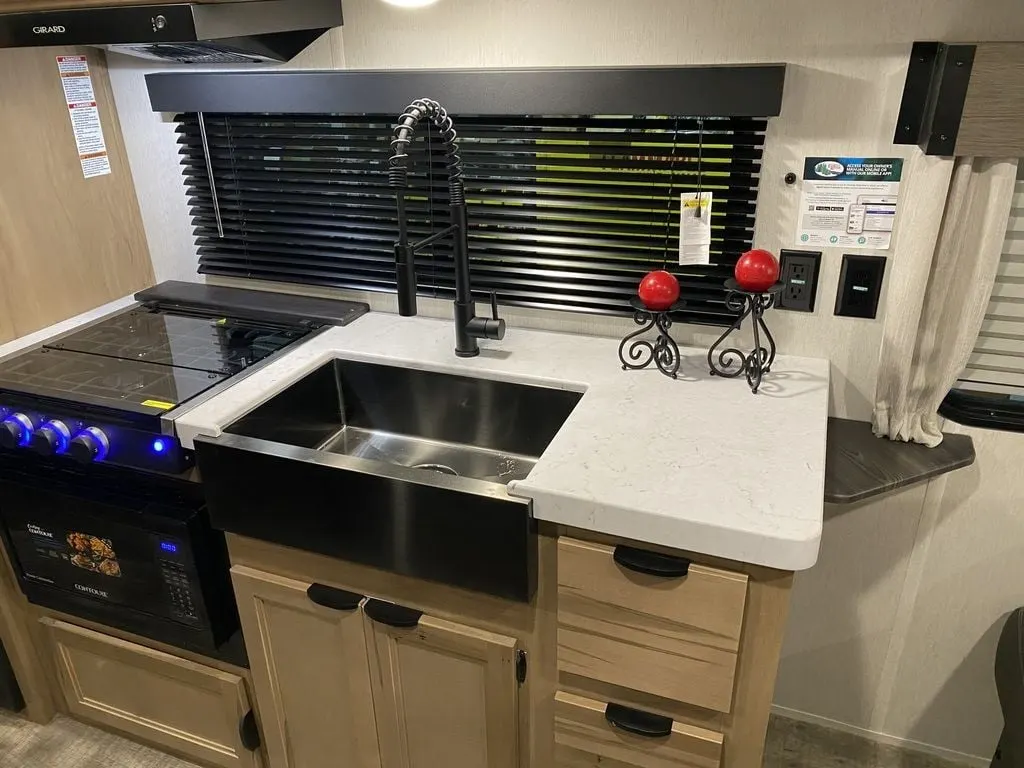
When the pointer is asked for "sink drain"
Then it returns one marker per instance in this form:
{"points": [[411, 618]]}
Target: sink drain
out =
{"points": [[444, 469]]}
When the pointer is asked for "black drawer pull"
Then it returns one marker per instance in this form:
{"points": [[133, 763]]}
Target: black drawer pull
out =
{"points": [[329, 597], [638, 722], [651, 563], [248, 733], [392, 614]]}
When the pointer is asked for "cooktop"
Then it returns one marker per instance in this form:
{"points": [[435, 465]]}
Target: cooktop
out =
{"points": [[145, 360], [111, 391]]}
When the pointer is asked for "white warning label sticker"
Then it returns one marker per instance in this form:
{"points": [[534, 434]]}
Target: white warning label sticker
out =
{"points": [[80, 98]]}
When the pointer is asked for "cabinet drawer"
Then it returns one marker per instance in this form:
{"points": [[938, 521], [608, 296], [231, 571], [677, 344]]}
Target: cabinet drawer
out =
{"points": [[674, 636], [187, 708], [585, 738]]}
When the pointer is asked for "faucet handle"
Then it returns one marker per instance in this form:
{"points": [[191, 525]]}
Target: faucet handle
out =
{"points": [[494, 305]]}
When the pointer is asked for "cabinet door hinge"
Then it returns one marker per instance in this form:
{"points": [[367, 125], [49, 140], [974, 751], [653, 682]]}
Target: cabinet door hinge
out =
{"points": [[521, 666]]}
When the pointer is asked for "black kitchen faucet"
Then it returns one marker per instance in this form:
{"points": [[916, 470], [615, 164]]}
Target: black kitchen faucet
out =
{"points": [[468, 327]]}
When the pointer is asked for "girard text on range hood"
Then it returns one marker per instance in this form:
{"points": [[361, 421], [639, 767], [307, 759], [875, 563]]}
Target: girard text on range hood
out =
{"points": [[192, 33]]}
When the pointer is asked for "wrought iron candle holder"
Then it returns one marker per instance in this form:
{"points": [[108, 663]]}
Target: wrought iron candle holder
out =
{"points": [[663, 351], [730, 362]]}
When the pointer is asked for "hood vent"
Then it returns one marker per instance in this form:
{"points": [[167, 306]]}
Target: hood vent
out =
{"points": [[251, 31]]}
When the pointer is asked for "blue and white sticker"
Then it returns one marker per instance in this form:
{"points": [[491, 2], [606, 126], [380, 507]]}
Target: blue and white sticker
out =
{"points": [[849, 202]]}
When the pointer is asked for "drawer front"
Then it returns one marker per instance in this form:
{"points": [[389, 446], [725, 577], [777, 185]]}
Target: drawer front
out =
{"points": [[585, 738], [671, 636], [187, 708]]}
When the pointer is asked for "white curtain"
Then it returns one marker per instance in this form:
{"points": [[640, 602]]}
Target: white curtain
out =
{"points": [[945, 256]]}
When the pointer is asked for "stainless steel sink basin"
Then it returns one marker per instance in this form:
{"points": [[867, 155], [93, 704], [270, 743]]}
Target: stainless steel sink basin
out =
{"points": [[394, 467], [436, 423]]}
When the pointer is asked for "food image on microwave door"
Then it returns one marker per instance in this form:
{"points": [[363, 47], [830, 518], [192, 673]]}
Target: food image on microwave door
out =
{"points": [[92, 553]]}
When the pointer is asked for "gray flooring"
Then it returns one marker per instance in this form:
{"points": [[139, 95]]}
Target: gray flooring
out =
{"points": [[65, 743], [793, 744]]}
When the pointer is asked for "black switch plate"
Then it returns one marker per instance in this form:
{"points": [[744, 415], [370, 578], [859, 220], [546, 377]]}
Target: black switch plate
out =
{"points": [[860, 285], [798, 270]]}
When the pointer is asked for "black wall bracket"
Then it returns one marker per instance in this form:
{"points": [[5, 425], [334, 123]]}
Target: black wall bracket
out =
{"points": [[933, 96]]}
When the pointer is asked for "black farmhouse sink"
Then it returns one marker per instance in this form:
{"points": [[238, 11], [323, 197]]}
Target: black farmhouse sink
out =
{"points": [[393, 467]]}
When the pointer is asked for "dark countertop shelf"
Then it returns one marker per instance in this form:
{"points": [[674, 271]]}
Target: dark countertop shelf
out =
{"points": [[859, 465]]}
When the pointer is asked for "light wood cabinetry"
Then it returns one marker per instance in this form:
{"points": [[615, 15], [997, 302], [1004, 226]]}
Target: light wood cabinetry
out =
{"points": [[661, 633], [310, 673], [381, 684], [444, 694], [636, 656], [190, 709], [586, 738], [671, 636]]}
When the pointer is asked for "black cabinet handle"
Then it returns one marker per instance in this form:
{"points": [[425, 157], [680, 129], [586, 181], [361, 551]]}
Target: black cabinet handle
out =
{"points": [[392, 614], [638, 722], [651, 563], [248, 733], [329, 597]]}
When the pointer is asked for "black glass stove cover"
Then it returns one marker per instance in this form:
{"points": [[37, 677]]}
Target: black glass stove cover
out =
{"points": [[145, 361]]}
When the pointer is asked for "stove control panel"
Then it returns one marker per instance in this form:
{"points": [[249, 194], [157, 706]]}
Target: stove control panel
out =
{"points": [[71, 438]]}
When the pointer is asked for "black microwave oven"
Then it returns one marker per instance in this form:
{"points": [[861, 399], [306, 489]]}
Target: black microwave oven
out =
{"points": [[131, 551]]}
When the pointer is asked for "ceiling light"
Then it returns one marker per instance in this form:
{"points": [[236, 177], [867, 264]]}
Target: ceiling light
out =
{"points": [[410, 3]]}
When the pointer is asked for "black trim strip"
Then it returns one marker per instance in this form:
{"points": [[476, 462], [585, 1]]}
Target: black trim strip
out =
{"points": [[734, 91], [980, 409]]}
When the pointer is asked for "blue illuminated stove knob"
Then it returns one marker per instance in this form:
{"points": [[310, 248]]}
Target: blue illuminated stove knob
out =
{"points": [[16, 431], [51, 438], [89, 445]]}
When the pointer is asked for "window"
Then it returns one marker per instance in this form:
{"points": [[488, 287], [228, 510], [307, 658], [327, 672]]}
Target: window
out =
{"points": [[565, 212], [990, 391]]}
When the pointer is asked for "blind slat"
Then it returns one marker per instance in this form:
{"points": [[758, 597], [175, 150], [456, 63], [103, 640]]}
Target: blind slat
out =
{"points": [[565, 212], [996, 364]]}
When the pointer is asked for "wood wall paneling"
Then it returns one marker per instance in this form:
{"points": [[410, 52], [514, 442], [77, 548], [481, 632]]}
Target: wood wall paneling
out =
{"points": [[992, 124], [67, 243]]}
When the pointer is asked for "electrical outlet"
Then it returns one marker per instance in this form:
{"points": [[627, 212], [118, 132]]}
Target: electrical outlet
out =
{"points": [[798, 270]]}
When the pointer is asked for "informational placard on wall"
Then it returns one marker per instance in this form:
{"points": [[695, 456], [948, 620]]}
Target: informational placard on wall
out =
{"points": [[85, 115], [849, 202]]}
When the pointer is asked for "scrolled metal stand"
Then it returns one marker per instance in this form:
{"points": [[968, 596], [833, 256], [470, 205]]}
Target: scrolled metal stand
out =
{"points": [[732, 362], [663, 351]]}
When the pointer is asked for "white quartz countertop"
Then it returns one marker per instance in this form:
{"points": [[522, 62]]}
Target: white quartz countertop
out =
{"points": [[698, 463]]}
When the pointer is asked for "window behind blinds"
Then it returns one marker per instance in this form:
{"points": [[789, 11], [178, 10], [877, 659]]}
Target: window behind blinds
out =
{"points": [[997, 363], [990, 391], [565, 212]]}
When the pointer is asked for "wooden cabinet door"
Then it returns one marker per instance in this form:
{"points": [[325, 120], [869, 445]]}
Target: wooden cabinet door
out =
{"points": [[445, 694], [310, 671], [187, 708]]}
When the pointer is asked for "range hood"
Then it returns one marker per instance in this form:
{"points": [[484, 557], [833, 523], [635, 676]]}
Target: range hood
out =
{"points": [[192, 33]]}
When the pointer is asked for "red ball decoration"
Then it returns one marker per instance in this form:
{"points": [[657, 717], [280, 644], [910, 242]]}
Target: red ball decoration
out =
{"points": [[658, 290], [757, 270]]}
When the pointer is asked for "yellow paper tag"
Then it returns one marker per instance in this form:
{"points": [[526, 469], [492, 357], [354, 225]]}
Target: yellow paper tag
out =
{"points": [[161, 404]]}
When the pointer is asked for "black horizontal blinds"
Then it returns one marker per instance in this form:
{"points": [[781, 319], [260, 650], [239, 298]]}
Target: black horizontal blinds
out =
{"points": [[565, 212]]}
